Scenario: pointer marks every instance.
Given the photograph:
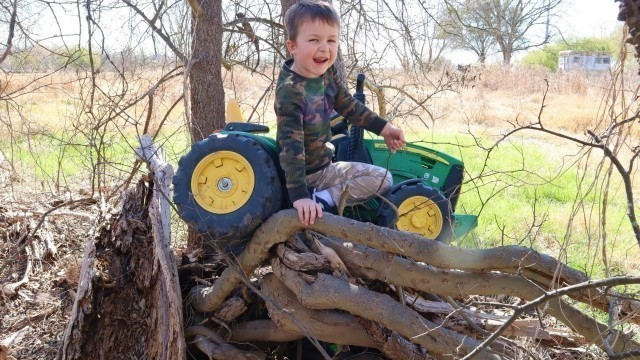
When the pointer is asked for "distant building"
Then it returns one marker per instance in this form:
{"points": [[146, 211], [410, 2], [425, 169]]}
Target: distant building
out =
{"points": [[584, 60]]}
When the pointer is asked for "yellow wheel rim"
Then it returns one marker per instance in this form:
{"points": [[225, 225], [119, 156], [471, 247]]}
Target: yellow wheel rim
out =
{"points": [[420, 215], [222, 182]]}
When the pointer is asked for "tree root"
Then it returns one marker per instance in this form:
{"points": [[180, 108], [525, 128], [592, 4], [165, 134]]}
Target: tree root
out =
{"points": [[329, 292], [376, 253], [507, 259], [293, 317], [374, 264], [210, 343]]}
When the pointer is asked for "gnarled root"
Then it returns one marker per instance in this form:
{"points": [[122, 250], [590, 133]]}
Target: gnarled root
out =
{"points": [[210, 343]]}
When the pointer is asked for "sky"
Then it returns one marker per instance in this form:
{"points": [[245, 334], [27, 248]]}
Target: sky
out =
{"points": [[586, 18]]}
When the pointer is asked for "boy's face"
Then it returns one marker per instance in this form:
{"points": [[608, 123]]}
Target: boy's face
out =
{"points": [[315, 49]]}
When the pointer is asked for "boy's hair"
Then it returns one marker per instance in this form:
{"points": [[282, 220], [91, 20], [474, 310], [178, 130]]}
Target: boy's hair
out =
{"points": [[309, 10]]}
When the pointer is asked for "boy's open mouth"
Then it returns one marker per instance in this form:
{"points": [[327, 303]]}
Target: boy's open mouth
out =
{"points": [[320, 60]]}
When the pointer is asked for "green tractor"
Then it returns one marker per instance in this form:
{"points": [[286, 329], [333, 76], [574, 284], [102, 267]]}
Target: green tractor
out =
{"points": [[231, 182]]}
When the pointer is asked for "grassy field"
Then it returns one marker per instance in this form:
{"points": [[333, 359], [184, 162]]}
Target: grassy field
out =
{"points": [[534, 189]]}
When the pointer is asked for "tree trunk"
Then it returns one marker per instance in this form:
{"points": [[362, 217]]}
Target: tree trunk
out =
{"points": [[207, 91]]}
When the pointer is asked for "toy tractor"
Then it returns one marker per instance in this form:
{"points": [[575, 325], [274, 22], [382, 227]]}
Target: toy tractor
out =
{"points": [[231, 182]]}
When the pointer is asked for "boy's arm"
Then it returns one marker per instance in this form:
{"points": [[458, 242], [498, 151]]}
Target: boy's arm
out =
{"points": [[353, 110], [290, 137]]}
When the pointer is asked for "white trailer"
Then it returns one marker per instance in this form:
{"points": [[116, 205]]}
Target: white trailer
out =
{"points": [[584, 60]]}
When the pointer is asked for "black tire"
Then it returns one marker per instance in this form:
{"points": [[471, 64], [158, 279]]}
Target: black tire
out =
{"points": [[264, 200], [387, 215]]}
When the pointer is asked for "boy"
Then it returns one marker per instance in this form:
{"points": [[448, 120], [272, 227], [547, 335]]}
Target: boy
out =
{"points": [[306, 93]]}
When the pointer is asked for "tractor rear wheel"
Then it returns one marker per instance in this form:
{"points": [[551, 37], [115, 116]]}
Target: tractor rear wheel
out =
{"points": [[226, 186], [421, 209]]}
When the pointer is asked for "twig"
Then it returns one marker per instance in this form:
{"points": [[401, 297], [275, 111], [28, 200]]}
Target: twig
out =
{"points": [[10, 289], [623, 280]]}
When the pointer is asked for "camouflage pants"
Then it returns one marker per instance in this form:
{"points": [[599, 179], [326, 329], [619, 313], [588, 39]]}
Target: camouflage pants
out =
{"points": [[361, 181]]}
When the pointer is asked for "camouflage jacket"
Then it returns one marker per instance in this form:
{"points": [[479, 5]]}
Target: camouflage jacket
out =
{"points": [[303, 109]]}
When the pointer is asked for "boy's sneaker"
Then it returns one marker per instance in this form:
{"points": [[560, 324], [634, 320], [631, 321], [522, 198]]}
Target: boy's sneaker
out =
{"points": [[325, 205]]}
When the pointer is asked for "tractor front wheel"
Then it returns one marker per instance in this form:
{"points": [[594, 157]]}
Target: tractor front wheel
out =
{"points": [[421, 209], [226, 186]]}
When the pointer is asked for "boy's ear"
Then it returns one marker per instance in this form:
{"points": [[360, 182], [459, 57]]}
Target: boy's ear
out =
{"points": [[291, 46]]}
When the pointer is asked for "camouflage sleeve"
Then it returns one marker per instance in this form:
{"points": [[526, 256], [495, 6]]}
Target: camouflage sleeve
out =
{"points": [[353, 110], [290, 136]]}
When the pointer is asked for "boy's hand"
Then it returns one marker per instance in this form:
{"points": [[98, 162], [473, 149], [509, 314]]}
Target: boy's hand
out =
{"points": [[394, 137], [308, 210]]}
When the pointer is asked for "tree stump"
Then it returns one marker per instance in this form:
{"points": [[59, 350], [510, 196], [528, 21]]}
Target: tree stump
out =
{"points": [[128, 303]]}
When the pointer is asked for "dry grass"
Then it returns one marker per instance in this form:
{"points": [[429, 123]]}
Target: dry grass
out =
{"points": [[489, 97]]}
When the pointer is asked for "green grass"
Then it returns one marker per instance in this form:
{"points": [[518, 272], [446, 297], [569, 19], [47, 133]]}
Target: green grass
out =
{"points": [[59, 160], [525, 193]]}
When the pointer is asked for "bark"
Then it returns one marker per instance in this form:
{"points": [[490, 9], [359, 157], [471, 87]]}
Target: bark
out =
{"points": [[285, 5], [329, 292], [128, 300], [210, 343], [207, 91], [292, 317], [231, 309], [263, 330], [391, 343], [302, 262]]}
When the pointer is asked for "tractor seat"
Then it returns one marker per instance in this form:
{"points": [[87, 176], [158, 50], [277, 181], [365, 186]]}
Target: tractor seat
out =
{"points": [[246, 127]]}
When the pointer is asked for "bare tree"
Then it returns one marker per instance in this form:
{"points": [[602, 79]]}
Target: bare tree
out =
{"points": [[510, 23], [466, 30]]}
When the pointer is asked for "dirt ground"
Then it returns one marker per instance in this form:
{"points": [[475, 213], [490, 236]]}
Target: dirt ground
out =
{"points": [[34, 313]]}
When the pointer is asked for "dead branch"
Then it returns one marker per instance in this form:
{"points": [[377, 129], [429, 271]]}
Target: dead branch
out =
{"points": [[13, 338], [262, 330], [625, 280], [391, 343], [329, 292], [210, 343], [507, 259], [375, 264], [301, 261], [170, 328], [329, 326], [231, 309], [11, 288]]}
